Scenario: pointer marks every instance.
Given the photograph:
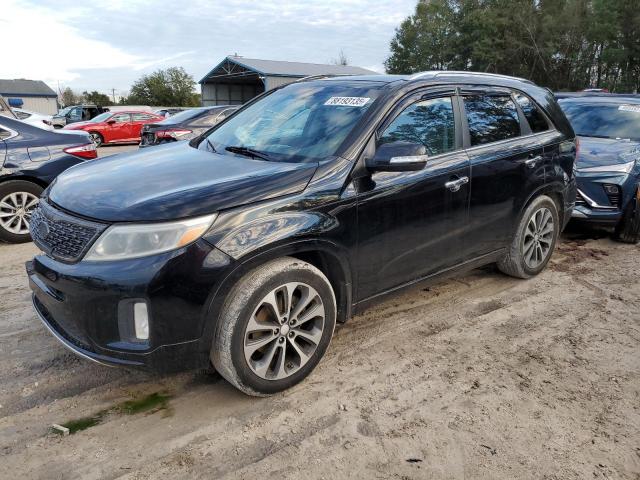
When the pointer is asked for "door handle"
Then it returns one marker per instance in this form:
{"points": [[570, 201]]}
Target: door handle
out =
{"points": [[531, 162], [454, 185]]}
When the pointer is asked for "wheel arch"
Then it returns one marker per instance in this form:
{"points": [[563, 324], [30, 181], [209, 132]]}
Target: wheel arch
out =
{"points": [[328, 257], [555, 192], [24, 178]]}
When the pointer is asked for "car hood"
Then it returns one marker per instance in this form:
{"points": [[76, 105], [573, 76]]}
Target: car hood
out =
{"points": [[597, 152], [173, 181]]}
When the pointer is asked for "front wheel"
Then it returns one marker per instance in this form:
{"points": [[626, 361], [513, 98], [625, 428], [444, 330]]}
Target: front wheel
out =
{"points": [[534, 241], [628, 230], [18, 198], [275, 327]]}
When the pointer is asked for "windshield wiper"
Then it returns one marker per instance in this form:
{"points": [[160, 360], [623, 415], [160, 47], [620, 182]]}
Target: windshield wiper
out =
{"points": [[248, 152]]}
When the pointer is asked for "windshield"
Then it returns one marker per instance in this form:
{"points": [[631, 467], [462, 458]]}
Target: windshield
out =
{"points": [[606, 120], [101, 118], [301, 122], [64, 111]]}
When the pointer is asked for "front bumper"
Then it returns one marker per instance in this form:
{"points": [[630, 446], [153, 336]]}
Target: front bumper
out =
{"points": [[595, 206], [80, 304]]}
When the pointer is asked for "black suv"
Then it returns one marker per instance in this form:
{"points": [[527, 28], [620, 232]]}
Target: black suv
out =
{"points": [[246, 245], [76, 113]]}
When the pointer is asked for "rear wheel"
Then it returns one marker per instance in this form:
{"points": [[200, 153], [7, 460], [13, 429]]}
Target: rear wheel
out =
{"points": [[534, 241], [275, 327], [18, 198], [628, 230], [97, 138]]}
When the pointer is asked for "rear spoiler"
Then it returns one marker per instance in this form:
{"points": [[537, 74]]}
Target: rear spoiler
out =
{"points": [[5, 110]]}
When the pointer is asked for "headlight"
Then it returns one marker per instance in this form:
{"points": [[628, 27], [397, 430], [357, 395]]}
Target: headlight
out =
{"points": [[139, 240], [616, 168]]}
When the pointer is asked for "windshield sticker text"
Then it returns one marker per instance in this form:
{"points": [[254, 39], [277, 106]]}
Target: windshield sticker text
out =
{"points": [[348, 101]]}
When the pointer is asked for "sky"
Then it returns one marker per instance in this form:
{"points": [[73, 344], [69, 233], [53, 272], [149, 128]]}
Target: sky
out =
{"points": [[108, 44]]}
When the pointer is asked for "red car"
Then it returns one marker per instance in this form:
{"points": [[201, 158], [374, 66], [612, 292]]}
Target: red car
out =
{"points": [[116, 127]]}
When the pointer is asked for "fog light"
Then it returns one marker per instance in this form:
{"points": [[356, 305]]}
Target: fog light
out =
{"points": [[141, 320], [611, 189]]}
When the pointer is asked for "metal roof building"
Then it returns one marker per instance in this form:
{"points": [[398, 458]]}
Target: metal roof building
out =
{"points": [[236, 80], [34, 95]]}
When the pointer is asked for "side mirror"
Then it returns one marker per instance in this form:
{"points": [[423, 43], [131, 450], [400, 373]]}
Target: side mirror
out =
{"points": [[110, 122], [398, 157]]}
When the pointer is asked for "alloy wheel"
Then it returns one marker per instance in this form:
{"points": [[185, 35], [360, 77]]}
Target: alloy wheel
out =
{"points": [[284, 331], [15, 212], [538, 238], [95, 137]]}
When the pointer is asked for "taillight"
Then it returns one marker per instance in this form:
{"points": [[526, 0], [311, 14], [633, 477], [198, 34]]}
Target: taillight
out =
{"points": [[172, 133], [87, 151]]}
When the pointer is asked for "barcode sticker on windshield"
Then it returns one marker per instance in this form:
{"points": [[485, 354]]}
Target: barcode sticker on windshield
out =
{"points": [[348, 101], [629, 108]]}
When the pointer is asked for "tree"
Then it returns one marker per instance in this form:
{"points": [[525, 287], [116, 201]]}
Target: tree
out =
{"points": [[68, 97], [341, 60], [171, 87], [570, 44], [97, 98]]}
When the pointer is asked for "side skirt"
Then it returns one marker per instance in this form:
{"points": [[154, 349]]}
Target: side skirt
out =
{"points": [[430, 279]]}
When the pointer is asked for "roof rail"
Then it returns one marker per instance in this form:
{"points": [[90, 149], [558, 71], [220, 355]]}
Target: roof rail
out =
{"points": [[437, 73], [326, 75]]}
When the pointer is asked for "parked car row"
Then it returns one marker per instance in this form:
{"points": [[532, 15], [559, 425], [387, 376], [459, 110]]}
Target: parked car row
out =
{"points": [[184, 125], [31, 158]]}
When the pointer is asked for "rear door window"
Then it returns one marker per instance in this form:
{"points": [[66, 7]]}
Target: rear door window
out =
{"points": [[121, 118], [532, 113], [428, 122], [491, 118], [142, 117]]}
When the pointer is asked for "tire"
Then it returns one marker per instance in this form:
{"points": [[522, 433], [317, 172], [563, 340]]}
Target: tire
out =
{"points": [[13, 194], [628, 229], [97, 138], [276, 365], [524, 259]]}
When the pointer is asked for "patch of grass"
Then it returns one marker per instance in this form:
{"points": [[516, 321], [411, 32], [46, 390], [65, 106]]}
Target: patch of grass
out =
{"points": [[155, 401], [149, 403], [82, 423]]}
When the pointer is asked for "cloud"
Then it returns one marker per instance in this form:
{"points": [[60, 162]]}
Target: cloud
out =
{"points": [[95, 44], [49, 49]]}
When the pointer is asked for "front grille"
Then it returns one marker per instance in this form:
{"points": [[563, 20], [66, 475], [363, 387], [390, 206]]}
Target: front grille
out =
{"points": [[60, 235]]}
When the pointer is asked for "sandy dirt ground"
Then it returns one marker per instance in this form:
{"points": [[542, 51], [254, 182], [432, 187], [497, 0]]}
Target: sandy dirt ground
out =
{"points": [[481, 377]]}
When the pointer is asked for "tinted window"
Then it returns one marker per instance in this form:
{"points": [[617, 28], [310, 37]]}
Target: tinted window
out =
{"points": [[121, 117], [532, 113], [141, 117], [604, 120], [187, 115], [491, 118], [430, 123]]}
